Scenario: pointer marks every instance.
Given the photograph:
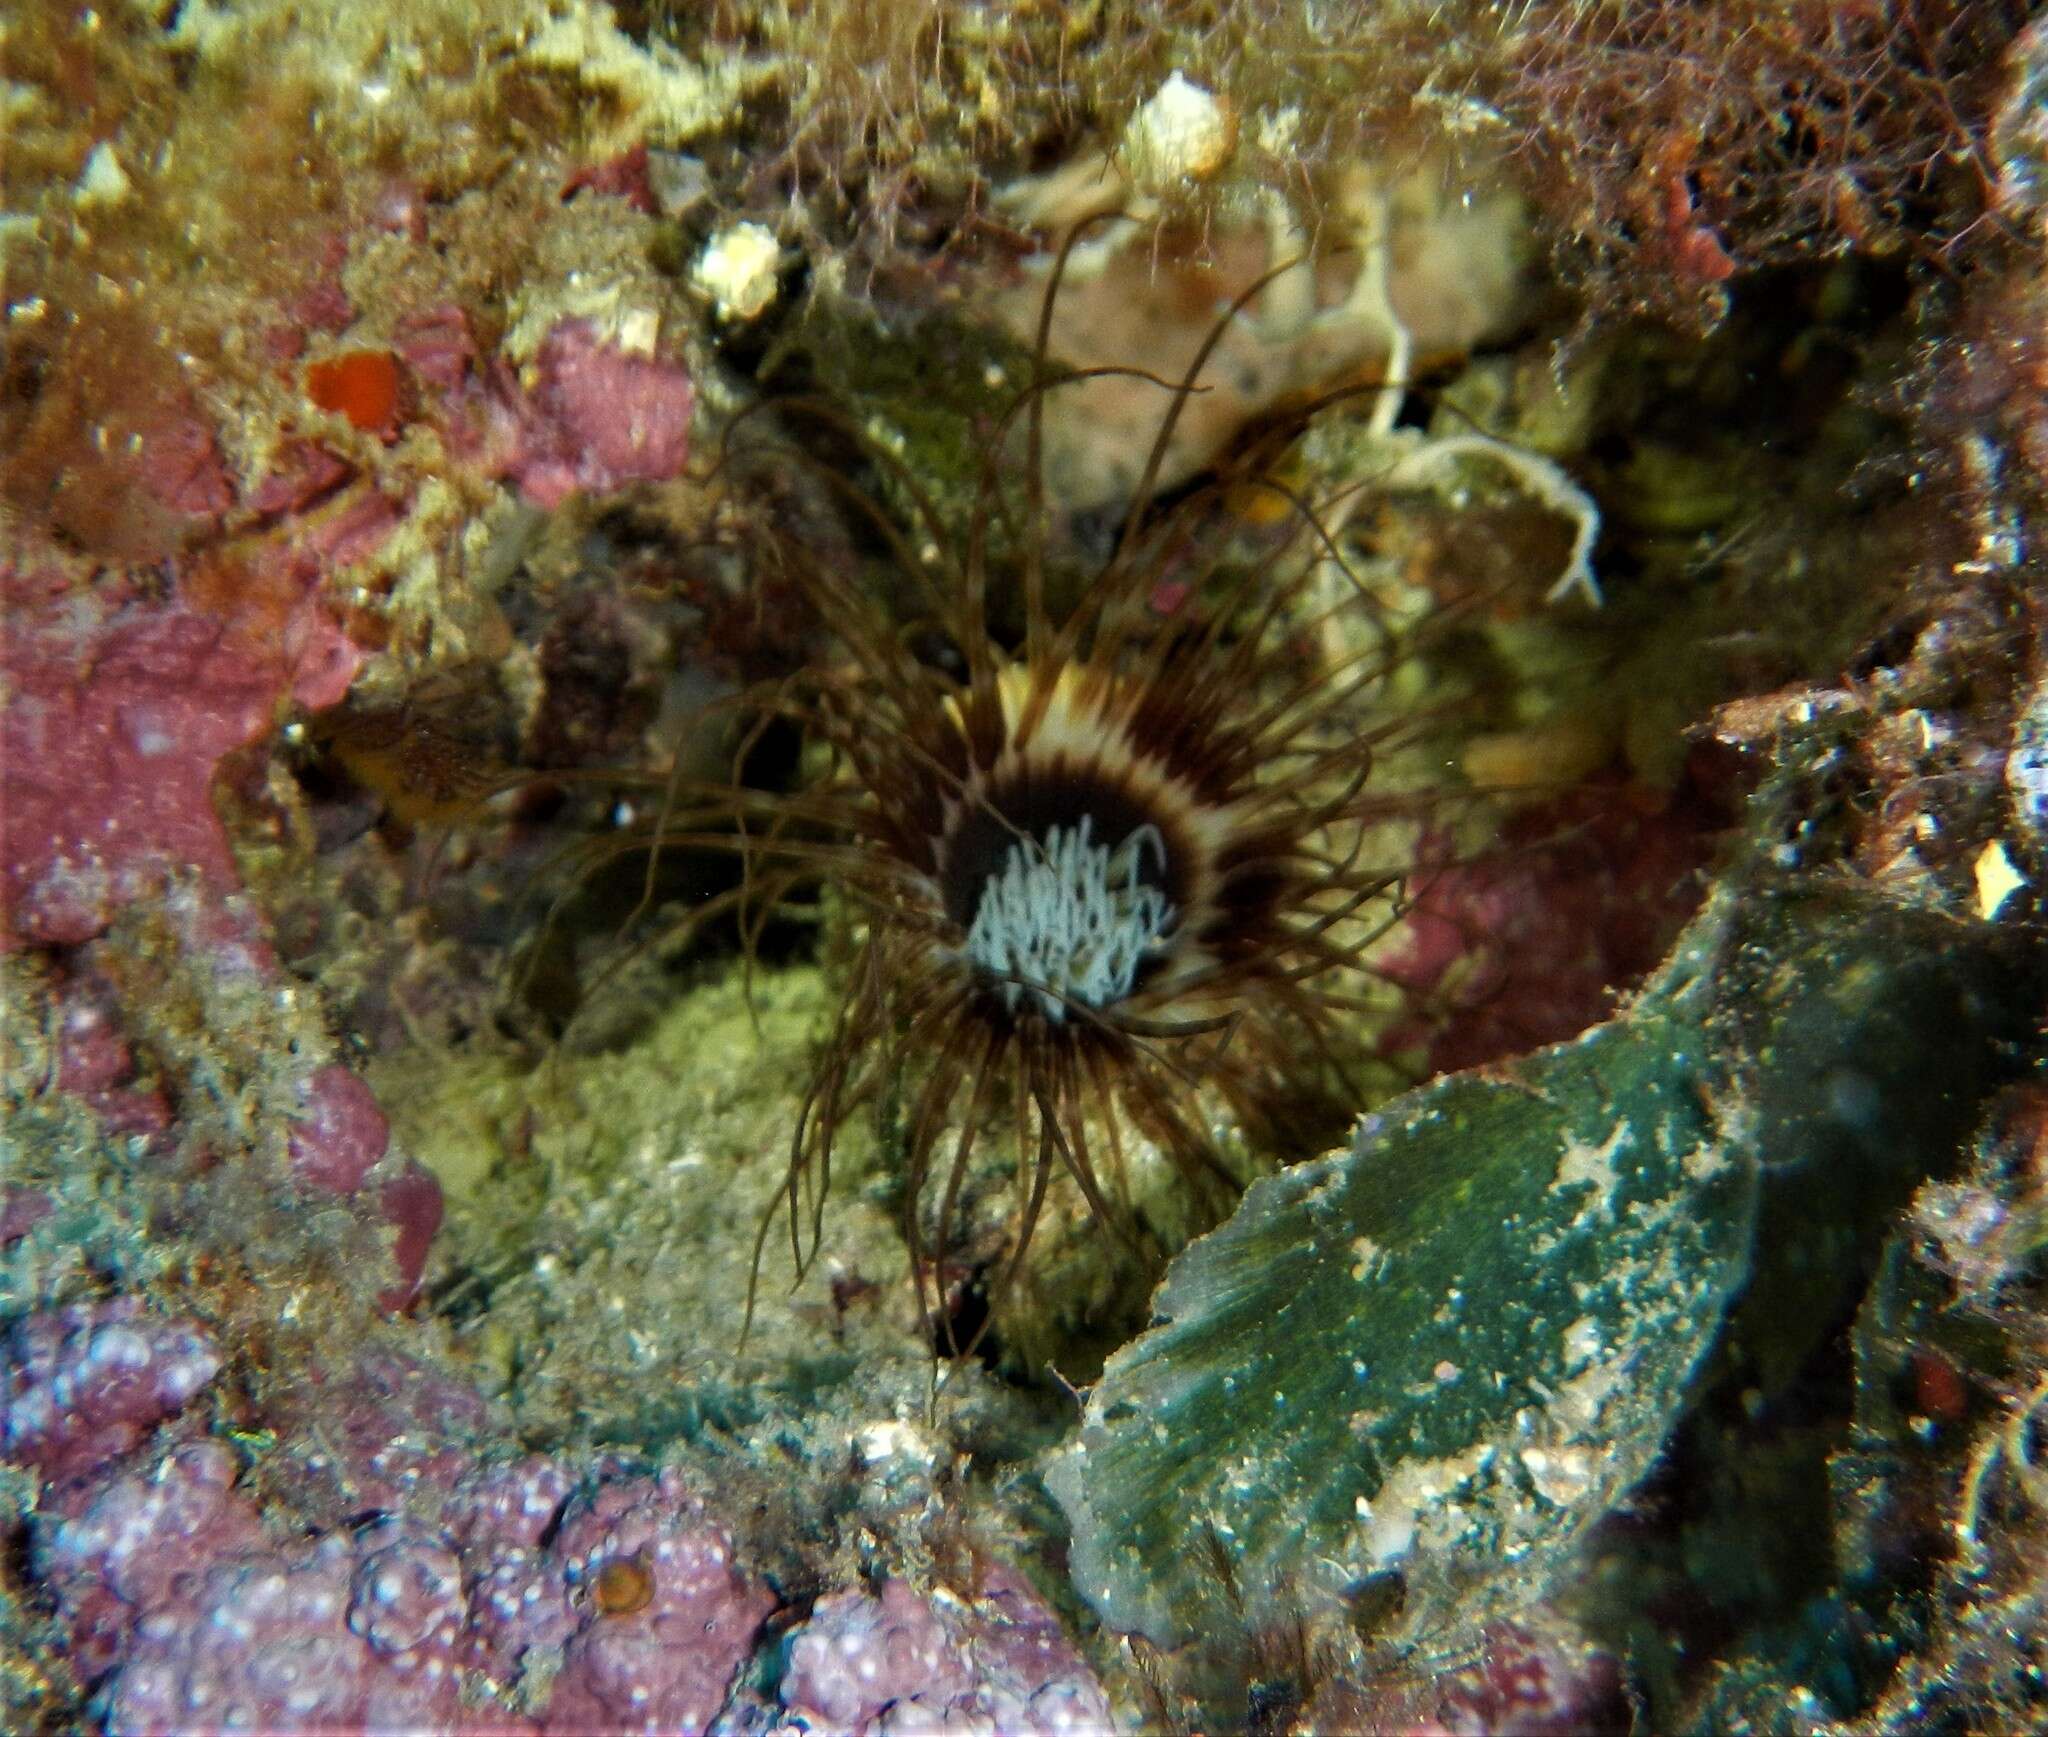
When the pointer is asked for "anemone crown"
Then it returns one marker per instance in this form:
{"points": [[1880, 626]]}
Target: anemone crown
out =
{"points": [[1096, 878]]}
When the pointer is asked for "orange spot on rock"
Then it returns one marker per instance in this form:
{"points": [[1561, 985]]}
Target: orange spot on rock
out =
{"points": [[623, 1585], [362, 385]]}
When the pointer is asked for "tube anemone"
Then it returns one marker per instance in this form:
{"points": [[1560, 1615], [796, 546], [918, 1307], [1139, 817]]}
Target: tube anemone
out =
{"points": [[1100, 870]]}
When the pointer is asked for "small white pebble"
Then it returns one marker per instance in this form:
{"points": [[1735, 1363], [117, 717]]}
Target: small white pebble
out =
{"points": [[102, 181], [637, 331], [1997, 879], [737, 270], [1181, 132]]}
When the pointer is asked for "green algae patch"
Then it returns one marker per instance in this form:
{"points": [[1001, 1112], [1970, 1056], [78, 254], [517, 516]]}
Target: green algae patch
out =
{"points": [[1454, 1344], [1428, 1365]]}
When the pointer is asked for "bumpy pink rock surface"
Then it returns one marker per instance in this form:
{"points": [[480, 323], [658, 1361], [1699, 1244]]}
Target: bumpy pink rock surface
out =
{"points": [[668, 1665], [517, 1591], [326, 1637], [381, 1570], [594, 418], [108, 743], [389, 1428], [123, 1547], [195, 1615], [82, 1385], [895, 1663], [203, 1619], [342, 1132], [1532, 942]]}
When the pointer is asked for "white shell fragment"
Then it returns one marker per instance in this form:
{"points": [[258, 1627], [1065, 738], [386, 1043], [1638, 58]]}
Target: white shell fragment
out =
{"points": [[737, 270], [102, 181], [1181, 133]]}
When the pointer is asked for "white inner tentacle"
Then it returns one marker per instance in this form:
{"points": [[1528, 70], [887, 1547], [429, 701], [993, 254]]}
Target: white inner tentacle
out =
{"points": [[1067, 920]]}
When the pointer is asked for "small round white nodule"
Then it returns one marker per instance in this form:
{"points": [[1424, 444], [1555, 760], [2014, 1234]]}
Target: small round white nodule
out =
{"points": [[737, 270], [102, 181], [1181, 133]]}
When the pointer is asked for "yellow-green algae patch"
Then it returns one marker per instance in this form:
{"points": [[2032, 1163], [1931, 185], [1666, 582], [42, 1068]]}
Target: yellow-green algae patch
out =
{"points": [[603, 1210]]}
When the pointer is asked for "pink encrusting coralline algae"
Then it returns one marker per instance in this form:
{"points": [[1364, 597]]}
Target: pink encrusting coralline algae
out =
{"points": [[891, 1662], [81, 1385], [110, 736], [544, 1595], [594, 418]]}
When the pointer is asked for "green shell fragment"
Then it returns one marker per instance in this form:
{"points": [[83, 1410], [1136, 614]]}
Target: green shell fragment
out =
{"points": [[1451, 1347]]}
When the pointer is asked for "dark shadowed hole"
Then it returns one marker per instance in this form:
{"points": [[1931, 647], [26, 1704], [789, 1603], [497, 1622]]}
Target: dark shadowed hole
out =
{"points": [[981, 843]]}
